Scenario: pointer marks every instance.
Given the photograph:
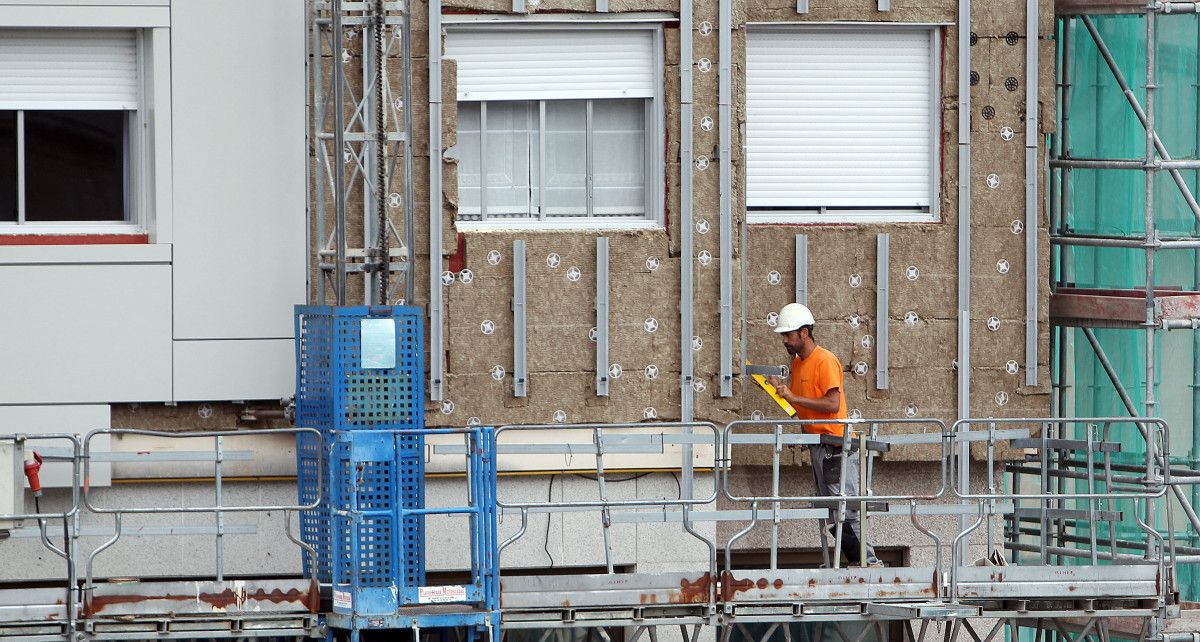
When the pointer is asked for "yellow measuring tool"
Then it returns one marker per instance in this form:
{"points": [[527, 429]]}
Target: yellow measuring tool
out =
{"points": [[762, 381]]}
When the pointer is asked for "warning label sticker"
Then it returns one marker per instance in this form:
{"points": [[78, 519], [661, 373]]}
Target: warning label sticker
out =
{"points": [[441, 594], [342, 599]]}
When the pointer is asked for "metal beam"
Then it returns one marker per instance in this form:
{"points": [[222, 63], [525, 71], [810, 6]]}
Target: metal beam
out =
{"points": [[1032, 201], [520, 363], [882, 258], [964, 239], [436, 349], [725, 113], [687, 248], [802, 269], [602, 316]]}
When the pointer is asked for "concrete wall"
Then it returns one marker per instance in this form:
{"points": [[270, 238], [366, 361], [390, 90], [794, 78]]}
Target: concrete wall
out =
{"points": [[923, 354]]}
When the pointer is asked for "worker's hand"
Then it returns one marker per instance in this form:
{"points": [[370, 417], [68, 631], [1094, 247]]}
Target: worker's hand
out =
{"points": [[781, 388]]}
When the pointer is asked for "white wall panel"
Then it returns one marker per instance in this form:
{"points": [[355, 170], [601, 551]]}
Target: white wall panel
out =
{"points": [[216, 370], [238, 98], [79, 420], [85, 333]]}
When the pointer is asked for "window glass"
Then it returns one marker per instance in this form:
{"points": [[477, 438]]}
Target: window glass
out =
{"points": [[468, 161], [618, 157], [75, 166], [510, 138], [8, 166], [614, 150], [566, 158]]}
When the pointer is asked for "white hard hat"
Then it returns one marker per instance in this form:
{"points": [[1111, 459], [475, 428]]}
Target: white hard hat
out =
{"points": [[794, 316]]}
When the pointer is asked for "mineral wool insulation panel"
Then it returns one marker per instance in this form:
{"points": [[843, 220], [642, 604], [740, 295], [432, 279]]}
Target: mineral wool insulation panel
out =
{"points": [[839, 117]]}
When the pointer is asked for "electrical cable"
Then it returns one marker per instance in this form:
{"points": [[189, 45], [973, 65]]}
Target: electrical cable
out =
{"points": [[546, 544]]}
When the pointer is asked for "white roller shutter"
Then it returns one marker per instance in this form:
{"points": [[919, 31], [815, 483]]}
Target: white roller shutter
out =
{"points": [[839, 117], [548, 64], [68, 69]]}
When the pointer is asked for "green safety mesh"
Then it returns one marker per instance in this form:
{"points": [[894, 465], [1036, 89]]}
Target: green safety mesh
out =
{"points": [[1112, 202]]}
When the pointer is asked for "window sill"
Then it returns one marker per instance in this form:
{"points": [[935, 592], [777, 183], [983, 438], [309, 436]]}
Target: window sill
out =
{"points": [[10, 236], [582, 225], [841, 218]]}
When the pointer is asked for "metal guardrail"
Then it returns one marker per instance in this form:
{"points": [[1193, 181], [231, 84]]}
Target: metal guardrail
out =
{"points": [[630, 438], [872, 438], [218, 509], [70, 517], [1054, 502], [1077, 480]]}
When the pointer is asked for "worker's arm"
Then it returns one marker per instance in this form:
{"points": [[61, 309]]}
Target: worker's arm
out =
{"points": [[830, 403]]}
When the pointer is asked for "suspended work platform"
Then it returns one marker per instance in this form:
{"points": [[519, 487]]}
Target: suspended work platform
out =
{"points": [[1044, 568]]}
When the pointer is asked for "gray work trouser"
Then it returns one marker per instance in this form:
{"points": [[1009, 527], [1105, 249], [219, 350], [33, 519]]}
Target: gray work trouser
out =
{"points": [[827, 470]]}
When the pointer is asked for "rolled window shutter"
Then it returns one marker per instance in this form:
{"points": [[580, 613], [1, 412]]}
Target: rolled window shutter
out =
{"points": [[550, 64], [839, 117], [68, 69]]}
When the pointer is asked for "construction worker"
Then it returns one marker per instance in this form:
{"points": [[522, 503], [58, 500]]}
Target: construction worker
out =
{"points": [[816, 393]]}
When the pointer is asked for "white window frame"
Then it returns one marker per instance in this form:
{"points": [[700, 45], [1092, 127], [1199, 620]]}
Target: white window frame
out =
{"points": [[655, 183], [817, 216], [148, 155]]}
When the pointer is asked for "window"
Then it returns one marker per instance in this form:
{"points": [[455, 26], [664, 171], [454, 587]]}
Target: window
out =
{"points": [[68, 113], [842, 124], [550, 136]]}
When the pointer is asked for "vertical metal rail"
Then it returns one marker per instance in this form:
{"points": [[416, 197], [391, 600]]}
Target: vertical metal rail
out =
{"points": [[220, 497], [1091, 488], [802, 269], [1032, 228], [882, 259], [1151, 234], [602, 316], [1044, 489], [314, 204], [1060, 209], [410, 265], [775, 464], [436, 351], [336, 163], [687, 248], [725, 113], [1194, 450], [991, 481], [605, 512], [520, 364], [964, 238]]}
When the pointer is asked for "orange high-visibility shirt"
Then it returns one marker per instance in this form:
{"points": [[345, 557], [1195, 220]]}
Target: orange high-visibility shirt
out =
{"points": [[814, 377]]}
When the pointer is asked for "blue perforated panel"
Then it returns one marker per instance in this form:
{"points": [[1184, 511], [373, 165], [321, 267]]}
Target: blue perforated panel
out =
{"points": [[333, 389], [336, 393]]}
